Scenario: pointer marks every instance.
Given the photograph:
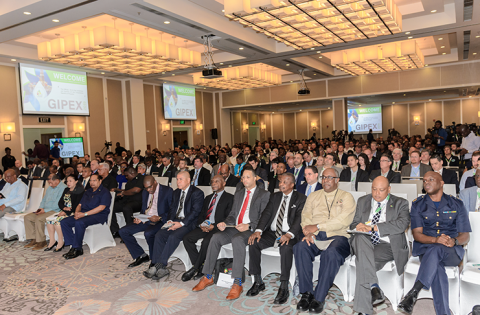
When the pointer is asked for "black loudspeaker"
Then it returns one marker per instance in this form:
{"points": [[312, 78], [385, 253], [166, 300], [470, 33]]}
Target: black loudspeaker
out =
{"points": [[214, 134]]}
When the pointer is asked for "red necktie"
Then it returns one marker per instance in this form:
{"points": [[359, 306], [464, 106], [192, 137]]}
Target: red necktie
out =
{"points": [[210, 208], [219, 168], [244, 208]]}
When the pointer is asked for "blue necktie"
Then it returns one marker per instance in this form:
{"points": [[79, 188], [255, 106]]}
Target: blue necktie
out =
{"points": [[309, 190]]}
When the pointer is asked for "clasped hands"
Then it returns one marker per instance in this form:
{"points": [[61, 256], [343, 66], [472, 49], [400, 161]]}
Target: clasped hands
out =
{"points": [[242, 227], [445, 240]]}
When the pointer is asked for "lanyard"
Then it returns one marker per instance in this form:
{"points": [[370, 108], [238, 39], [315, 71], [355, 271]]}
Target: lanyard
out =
{"points": [[331, 205], [380, 207]]}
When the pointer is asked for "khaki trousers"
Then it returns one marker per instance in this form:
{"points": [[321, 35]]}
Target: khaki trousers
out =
{"points": [[35, 226]]}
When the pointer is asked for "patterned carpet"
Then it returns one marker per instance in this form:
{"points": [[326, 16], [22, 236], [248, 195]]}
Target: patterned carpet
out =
{"points": [[38, 282]]}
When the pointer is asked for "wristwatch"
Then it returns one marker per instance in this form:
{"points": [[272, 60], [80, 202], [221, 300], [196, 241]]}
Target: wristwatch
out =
{"points": [[86, 213], [318, 227], [456, 241], [373, 229]]}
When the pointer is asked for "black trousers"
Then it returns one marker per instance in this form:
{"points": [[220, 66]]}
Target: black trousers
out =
{"points": [[128, 208], [286, 254], [198, 258]]}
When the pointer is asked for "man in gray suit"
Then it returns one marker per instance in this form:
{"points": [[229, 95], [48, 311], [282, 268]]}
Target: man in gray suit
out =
{"points": [[386, 217], [469, 195], [415, 168], [222, 160], [248, 205]]}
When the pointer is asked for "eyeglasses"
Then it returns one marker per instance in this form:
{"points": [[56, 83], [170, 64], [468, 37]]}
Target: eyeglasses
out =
{"points": [[384, 161], [328, 177]]}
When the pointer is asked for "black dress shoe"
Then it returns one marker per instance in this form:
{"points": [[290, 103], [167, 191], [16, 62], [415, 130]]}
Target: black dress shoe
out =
{"points": [[69, 252], [50, 248], [116, 235], [408, 302], [282, 296], [377, 296], [140, 260], [304, 302], [198, 275], [256, 289], [316, 307], [188, 275], [75, 254], [59, 249]]}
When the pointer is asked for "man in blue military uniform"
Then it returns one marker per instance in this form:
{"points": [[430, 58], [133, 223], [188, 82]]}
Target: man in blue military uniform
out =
{"points": [[440, 227], [93, 208]]}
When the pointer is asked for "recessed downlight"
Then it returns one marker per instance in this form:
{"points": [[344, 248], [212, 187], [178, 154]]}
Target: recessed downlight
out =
{"points": [[27, 13], [442, 46], [433, 11], [241, 48], [440, 38], [406, 33], [410, 37], [13, 59], [55, 20], [287, 64], [102, 73], [166, 22]]}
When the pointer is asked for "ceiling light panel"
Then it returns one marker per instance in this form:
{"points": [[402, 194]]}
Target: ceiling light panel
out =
{"points": [[391, 57], [304, 24]]}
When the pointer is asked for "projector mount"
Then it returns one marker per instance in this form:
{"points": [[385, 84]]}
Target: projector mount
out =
{"points": [[303, 85], [211, 71]]}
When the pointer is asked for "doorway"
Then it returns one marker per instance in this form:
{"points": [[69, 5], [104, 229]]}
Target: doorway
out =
{"points": [[253, 135], [40, 134], [182, 134]]}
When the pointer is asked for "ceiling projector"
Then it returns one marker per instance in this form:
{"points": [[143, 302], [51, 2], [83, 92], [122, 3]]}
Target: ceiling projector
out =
{"points": [[304, 91], [212, 73]]}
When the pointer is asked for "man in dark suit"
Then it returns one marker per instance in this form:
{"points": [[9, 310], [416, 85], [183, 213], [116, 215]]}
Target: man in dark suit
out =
{"points": [[389, 216], [200, 175], [398, 160], [151, 167], [108, 181], [167, 169], [259, 171], [230, 180], [241, 225], [386, 161], [21, 169], [183, 215], [353, 173], [216, 208], [448, 176], [415, 168], [298, 170], [222, 160], [370, 136], [311, 181], [280, 219], [280, 169], [374, 163], [156, 200]]}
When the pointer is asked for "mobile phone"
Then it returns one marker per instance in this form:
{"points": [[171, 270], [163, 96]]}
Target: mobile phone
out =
{"points": [[2, 196], [38, 210]]}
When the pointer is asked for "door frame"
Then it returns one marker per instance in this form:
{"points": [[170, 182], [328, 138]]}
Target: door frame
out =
{"points": [[189, 131]]}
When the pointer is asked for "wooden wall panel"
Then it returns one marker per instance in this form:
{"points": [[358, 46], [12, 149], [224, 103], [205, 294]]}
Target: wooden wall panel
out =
{"points": [[314, 116], [115, 111], [149, 115], [343, 87], [284, 93], [289, 125], [302, 125], [268, 122], [451, 112], [9, 105], [208, 116], [164, 141], [97, 114], [233, 98], [237, 127], [470, 111], [386, 121], [327, 123], [257, 96], [380, 83], [434, 113], [422, 78], [198, 139]]}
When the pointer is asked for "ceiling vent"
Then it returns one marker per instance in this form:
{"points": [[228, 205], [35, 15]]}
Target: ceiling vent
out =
{"points": [[466, 44], [467, 10]]}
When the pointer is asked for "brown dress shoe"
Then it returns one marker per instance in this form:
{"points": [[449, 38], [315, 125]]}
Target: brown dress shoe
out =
{"points": [[235, 292], [40, 245], [204, 282], [31, 244]]}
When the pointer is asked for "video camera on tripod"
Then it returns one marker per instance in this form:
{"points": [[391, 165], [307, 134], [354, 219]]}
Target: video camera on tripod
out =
{"points": [[107, 146]]}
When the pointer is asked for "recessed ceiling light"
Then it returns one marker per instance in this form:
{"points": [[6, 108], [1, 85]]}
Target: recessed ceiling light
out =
{"points": [[102, 72], [241, 48], [173, 74], [312, 48], [474, 53], [166, 22], [442, 46], [320, 57], [440, 38], [328, 108], [300, 110], [470, 96], [429, 99], [13, 59], [360, 105], [410, 37], [55, 20], [318, 52], [223, 10], [204, 88], [433, 11], [444, 53], [406, 33], [27, 13], [314, 74], [426, 65], [404, 94], [273, 112], [291, 81], [229, 66], [163, 72], [288, 64], [444, 91], [478, 36], [221, 63], [393, 102]]}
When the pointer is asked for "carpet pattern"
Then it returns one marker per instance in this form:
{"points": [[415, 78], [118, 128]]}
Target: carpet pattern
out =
{"points": [[38, 282]]}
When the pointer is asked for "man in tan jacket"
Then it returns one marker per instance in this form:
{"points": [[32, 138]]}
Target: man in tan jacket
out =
{"points": [[326, 216]]}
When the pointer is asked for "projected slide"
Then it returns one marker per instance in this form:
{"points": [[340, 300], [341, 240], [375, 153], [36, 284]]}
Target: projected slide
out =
{"points": [[363, 118], [68, 146], [53, 91], [179, 102]]}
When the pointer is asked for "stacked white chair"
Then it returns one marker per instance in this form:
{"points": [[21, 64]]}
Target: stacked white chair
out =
{"points": [[417, 182], [98, 236], [230, 190], [174, 183], [406, 188], [13, 223], [450, 189], [470, 277], [207, 190], [358, 194], [162, 180], [366, 187], [347, 186]]}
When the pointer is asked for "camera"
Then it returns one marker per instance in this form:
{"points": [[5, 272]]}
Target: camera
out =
{"points": [[108, 144]]}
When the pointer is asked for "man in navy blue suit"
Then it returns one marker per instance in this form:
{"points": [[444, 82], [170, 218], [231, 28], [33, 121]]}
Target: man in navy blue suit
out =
{"points": [[311, 184], [156, 200], [183, 215], [298, 169]]}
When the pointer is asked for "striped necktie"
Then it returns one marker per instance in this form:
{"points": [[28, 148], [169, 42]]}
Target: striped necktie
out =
{"points": [[278, 232]]}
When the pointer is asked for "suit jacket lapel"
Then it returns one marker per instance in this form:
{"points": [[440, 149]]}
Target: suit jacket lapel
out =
{"points": [[473, 199], [367, 208], [291, 211], [388, 212]]}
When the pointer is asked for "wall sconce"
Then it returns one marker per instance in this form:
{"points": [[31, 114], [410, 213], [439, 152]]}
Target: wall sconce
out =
{"points": [[263, 127], [78, 128], [7, 128], [416, 120], [245, 127], [199, 128], [165, 128], [479, 113], [314, 125]]}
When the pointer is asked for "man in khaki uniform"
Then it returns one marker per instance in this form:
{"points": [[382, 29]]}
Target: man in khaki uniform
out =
{"points": [[326, 216]]}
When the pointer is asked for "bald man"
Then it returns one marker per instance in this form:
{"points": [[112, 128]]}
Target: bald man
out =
{"points": [[156, 200], [14, 194], [386, 217], [216, 208], [440, 227], [230, 180]]}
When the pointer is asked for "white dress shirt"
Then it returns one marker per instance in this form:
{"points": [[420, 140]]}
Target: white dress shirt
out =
{"points": [[246, 216], [471, 143], [285, 226], [182, 213], [383, 215]]}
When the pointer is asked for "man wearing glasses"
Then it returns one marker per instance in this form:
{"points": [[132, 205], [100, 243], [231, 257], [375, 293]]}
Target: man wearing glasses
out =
{"points": [[326, 216], [385, 170]]}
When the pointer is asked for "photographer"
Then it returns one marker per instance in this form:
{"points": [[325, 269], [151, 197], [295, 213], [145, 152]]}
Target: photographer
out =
{"points": [[455, 136], [440, 135], [470, 144]]}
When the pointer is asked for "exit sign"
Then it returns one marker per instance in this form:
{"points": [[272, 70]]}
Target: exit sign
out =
{"points": [[182, 122], [254, 123], [44, 120]]}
